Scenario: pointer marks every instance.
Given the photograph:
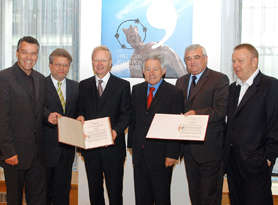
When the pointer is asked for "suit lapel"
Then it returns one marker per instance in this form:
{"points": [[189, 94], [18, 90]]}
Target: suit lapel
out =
{"points": [[185, 84], [201, 82], [68, 94], [53, 93], [250, 92], [143, 93], [36, 87], [157, 96], [93, 93], [234, 93]]}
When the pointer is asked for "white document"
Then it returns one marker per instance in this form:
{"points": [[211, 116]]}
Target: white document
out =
{"points": [[98, 132], [178, 127]]}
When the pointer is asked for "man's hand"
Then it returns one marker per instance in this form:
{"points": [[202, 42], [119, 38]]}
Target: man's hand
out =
{"points": [[114, 135], [170, 162], [190, 112], [12, 160], [81, 119], [53, 118], [268, 163]]}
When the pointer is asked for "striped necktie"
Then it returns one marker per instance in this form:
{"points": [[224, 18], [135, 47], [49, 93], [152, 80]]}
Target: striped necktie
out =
{"points": [[61, 96], [99, 87]]}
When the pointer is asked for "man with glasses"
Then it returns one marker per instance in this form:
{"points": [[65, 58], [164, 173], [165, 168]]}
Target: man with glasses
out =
{"points": [[61, 99], [205, 93]]}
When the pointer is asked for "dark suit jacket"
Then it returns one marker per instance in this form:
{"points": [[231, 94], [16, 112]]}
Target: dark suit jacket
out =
{"points": [[50, 145], [167, 100], [20, 117], [252, 127], [209, 97], [114, 103]]}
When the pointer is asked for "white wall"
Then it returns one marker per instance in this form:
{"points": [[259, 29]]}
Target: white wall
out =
{"points": [[206, 31]]}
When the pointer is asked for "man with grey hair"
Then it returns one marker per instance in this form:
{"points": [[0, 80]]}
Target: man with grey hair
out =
{"points": [[206, 93], [153, 160]]}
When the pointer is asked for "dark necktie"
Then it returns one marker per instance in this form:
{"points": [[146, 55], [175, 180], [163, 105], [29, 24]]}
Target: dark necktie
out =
{"points": [[193, 84], [99, 87], [150, 97]]}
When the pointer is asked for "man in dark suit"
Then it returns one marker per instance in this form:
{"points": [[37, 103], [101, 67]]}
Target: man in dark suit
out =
{"points": [[153, 159], [105, 95], [21, 112], [205, 93], [61, 99], [252, 130]]}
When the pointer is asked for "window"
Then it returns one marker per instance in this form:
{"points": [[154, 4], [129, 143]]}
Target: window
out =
{"points": [[260, 28], [54, 23]]}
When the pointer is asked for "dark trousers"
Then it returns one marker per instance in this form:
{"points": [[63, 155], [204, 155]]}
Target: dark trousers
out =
{"points": [[205, 181], [152, 185], [249, 180], [59, 180], [32, 180], [99, 165]]}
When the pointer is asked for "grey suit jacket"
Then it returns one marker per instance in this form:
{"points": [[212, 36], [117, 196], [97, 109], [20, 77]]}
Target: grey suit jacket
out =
{"points": [[50, 146], [20, 117], [209, 97]]}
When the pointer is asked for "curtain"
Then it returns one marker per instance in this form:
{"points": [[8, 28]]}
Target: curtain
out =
{"points": [[230, 34], [260, 28], [55, 23]]}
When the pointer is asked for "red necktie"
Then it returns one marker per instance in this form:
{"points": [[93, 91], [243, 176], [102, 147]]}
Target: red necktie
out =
{"points": [[150, 97]]}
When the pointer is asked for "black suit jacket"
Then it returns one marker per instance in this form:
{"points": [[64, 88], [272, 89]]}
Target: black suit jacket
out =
{"points": [[167, 100], [20, 116], [50, 145], [114, 103], [252, 127], [209, 97]]}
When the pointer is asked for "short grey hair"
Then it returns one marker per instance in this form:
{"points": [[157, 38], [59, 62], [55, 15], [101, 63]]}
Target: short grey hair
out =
{"points": [[154, 57], [194, 47]]}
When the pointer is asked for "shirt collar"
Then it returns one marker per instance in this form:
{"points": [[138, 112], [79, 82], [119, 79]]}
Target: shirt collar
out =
{"points": [[249, 81], [105, 78], [55, 82], [22, 72], [156, 86], [198, 76]]}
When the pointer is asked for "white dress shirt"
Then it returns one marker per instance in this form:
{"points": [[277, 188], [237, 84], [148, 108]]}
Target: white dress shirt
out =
{"points": [[104, 80], [245, 85], [63, 86]]}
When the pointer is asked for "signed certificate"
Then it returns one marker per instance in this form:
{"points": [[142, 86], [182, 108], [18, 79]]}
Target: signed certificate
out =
{"points": [[178, 127], [98, 132]]}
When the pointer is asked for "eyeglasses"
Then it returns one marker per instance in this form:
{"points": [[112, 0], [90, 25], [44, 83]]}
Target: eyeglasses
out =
{"points": [[61, 65], [190, 58]]}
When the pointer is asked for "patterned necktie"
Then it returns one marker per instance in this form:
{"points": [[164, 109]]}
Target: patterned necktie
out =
{"points": [[193, 84], [99, 87], [61, 96], [150, 97]]}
